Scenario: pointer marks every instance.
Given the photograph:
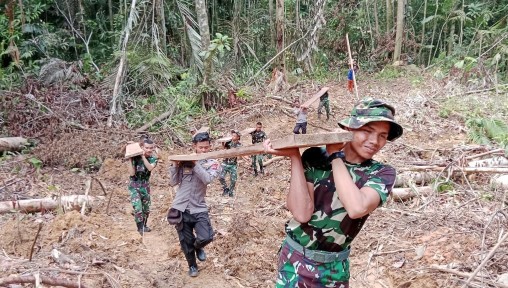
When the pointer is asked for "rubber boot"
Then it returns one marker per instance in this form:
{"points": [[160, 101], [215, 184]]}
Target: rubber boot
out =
{"points": [[145, 227]]}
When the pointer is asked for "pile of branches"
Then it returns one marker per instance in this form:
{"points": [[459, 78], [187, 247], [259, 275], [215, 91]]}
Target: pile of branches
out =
{"points": [[43, 111]]}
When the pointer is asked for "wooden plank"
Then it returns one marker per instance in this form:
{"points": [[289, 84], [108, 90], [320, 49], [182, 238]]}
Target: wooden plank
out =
{"points": [[224, 139], [133, 149], [315, 97], [247, 131], [309, 140], [291, 141]]}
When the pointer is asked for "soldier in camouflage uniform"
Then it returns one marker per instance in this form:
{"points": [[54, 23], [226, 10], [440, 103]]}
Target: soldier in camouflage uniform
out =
{"points": [[140, 169], [324, 102], [230, 165], [258, 136], [332, 193]]}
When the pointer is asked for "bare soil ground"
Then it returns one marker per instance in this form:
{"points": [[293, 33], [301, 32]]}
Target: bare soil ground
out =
{"points": [[398, 247]]}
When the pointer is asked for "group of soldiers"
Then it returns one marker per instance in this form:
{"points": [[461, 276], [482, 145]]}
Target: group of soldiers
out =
{"points": [[332, 191]]}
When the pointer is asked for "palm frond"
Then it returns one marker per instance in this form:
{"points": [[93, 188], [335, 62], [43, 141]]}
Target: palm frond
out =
{"points": [[194, 38]]}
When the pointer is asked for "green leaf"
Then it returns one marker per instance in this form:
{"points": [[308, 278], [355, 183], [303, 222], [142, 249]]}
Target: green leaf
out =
{"points": [[35, 162], [459, 64]]}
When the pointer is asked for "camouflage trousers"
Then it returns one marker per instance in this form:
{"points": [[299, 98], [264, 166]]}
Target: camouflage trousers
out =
{"points": [[233, 175], [326, 104], [140, 200], [259, 160], [295, 270]]}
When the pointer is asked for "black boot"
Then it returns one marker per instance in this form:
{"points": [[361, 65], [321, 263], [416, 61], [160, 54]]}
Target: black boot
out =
{"points": [[140, 226], [145, 227], [193, 271], [255, 173], [226, 192], [200, 254]]}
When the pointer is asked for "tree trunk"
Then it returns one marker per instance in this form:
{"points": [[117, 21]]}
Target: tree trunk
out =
{"points": [[389, 16], [279, 19], [371, 33], [116, 105], [70, 202], [400, 30], [110, 10], [451, 38], [204, 31], [161, 22], [270, 16], [433, 32], [422, 41], [12, 144], [376, 18]]}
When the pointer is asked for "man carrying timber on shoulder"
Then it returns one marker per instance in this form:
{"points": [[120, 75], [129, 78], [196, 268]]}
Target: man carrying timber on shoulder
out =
{"points": [[331, 195], [189, 212], [229, 165]]}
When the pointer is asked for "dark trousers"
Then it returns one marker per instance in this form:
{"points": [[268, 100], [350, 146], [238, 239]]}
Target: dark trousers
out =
{"points": [[302, 126], [200, 224]]}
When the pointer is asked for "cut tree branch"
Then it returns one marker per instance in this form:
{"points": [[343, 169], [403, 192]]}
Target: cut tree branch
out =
{"points": [[44, 280]]}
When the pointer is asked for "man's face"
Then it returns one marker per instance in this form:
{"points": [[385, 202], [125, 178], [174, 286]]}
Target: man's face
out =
{"points": [[202, 147], [297, 104], [148, 149], [259, 127], [369, 139], [235, 137]]}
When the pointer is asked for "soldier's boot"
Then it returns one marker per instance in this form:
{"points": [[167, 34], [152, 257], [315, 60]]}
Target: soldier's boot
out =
{"points": [[226, 192], [255, 173], [141, 228], [193, 271], [200, 254], [327, 117], [231, 192], [145, 227], [262, 171]]}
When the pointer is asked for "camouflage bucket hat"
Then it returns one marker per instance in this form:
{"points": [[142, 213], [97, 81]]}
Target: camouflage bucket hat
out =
{"points": [[371, 110]]}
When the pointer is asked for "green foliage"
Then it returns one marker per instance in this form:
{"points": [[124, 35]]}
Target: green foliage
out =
{"points": [[444, 187], [389, 72], [93, 164], [217, 46], [488, 131], [36, 163]]}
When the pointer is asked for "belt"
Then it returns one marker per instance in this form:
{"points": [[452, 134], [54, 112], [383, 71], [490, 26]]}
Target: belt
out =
{"points": [[318, 255]]}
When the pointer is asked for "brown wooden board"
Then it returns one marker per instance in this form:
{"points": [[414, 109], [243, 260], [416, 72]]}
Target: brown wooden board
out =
{"points": [[291, 141], [247, 131], [315, 96], [132, 150], [224, 139]]}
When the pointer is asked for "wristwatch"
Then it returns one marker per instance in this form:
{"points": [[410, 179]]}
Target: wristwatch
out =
{"points": [[336, 155]]}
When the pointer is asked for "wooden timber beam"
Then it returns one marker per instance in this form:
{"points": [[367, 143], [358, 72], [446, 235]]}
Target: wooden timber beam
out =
{"points": [[315, 97], [291, 141]]}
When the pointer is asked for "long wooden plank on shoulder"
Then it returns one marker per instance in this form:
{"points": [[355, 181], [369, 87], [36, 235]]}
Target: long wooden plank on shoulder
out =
{"points": [[224, 153], [291, 141], [309, 140], [315, 96]]}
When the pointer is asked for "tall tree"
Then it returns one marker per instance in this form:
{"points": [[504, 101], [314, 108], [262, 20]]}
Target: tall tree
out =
{"points": [[204, 31], [389, 16], [422, 41], [270, 16], [400, 30], [161, 24], [376, 19], [279, 20]]}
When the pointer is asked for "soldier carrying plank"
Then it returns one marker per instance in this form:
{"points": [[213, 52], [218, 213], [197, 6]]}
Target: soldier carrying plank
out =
{"points": [[332, 192], [229, 165]]}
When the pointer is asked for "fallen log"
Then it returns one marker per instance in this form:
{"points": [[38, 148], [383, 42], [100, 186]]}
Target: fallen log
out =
{"points": [[499, 161], [51, 281], [291, 141], [70, 202], [457, 169], [406, 178], [13, 144], [270, 161], [155, 120], [401, 194]]}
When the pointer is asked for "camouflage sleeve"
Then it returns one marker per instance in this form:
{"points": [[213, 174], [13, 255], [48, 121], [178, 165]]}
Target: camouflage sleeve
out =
{"points": [[382, 182], [152, 160]]}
